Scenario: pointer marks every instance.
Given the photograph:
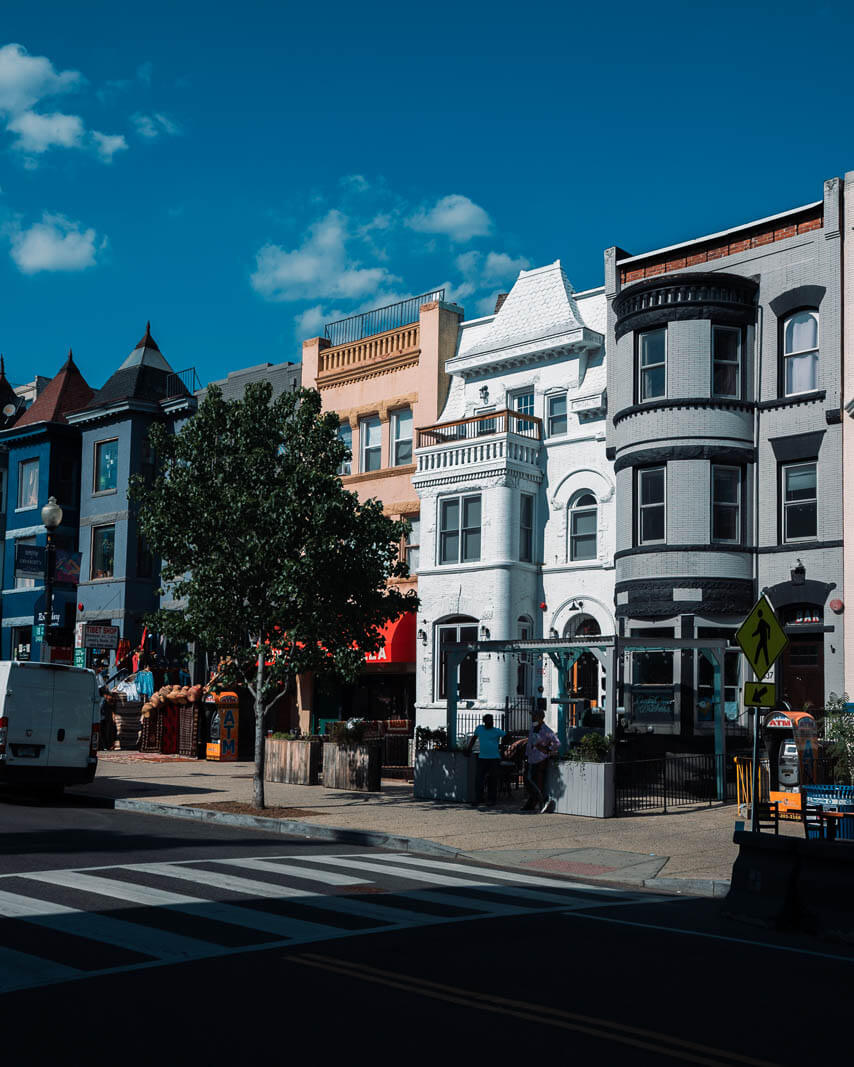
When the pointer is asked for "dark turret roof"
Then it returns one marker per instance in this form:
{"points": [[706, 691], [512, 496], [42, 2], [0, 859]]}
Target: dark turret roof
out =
{"points": [[67, 392], [142, 376], [8, 398]]}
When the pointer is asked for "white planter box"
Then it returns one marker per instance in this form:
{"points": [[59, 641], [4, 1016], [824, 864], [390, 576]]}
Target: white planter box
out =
{"points": [[582, 788], [444, 776]]}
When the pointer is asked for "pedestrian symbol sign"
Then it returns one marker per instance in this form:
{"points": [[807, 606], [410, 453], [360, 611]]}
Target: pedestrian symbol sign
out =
{"points": [[761, 638], [760, 695]]}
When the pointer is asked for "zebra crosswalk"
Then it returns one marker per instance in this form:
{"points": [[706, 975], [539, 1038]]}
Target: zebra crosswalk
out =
{"points": [[62, 925]]}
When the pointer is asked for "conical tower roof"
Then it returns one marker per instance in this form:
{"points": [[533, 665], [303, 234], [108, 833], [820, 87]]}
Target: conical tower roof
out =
{"points": [[8, 399], [142, 376], [67, 392]]}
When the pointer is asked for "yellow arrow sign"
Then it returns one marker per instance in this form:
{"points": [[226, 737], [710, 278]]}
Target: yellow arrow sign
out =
{"points": [[760, 695], [761, 637]]}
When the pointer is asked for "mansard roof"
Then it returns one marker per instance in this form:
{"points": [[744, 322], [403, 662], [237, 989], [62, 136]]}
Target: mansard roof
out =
{"points": [[540, 313], [67, 392]]}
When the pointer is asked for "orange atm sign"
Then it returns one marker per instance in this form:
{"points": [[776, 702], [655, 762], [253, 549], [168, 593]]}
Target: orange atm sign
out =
{"points": [[229, 718]]}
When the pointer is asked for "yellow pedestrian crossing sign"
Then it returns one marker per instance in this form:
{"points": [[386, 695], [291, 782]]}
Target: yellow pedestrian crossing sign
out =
{"points": [[761, 638], [760, 695]]}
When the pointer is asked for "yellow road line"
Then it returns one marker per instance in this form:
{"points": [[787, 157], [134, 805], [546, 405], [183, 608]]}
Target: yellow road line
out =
{"points": [[606, 1029]]}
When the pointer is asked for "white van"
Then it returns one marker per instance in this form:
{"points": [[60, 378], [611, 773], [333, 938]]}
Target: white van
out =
{"points": [[49, 724]]}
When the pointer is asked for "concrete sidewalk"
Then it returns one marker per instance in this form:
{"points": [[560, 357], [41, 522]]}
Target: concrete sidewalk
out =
{"points": [[693, 846]]}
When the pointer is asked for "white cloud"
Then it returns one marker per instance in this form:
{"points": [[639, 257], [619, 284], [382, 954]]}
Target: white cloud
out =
{"points": [[153, 126], [107, 144], [320, 268], [455, 216], [143, 72], [37, 133], [358, 183], [55, 244], [498, 266], [26, 79]]}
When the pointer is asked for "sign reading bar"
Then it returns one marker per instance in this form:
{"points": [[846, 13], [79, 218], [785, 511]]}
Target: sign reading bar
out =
{"points": [[761, 637], [95, 636], [760, 695], [29, 561]]}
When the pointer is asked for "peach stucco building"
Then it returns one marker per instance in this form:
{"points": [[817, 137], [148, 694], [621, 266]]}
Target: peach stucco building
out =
{"points": [[384, 374]]}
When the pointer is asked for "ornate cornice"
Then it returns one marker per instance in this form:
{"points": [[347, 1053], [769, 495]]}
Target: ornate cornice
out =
{"points": [[729, 299], [383, 472], [684, 402], [360, 372]]}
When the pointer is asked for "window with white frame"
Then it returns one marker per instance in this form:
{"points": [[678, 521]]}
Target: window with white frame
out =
{"points": [[401, 435], [413, 543], [370, 443], [800, 502], [651, 505], [556, 423], [523, 403], [28, 483], [583, 526], [800, 353], [526, 527], [459, 529], [485, 426], [652, 364], [726, 504], [458, 630], [726, 362], [345, 435]]}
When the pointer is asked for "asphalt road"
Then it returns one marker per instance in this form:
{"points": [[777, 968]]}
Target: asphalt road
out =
{"points": [[128, 938]]}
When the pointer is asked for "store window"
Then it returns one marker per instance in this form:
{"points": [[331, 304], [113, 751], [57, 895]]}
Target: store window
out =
{"points": [[726, 362], [525, 666], [526, 527], [651, 517], [345, 435], [706, 710], [800, 502], [458, 630], [106, 466], [726, 505], [653, 699], [459, 529], [652, 365], [103, 551], [800, 353], [583, 526], [28, 483], [556, 414], [401, 427], [370, 439]]}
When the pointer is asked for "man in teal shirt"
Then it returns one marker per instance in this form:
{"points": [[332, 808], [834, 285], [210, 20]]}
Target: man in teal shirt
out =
{"points": [[488, 759]]}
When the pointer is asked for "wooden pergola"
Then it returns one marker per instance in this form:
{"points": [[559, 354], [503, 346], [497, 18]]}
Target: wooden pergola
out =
{"points": [[565, 651]]}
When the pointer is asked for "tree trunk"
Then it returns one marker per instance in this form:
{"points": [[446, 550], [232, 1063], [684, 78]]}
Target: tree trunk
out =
{"points": [[258, 780]]}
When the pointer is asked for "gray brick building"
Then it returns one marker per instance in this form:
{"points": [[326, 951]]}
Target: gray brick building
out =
{"points": [[724, 425], [282, 376]]}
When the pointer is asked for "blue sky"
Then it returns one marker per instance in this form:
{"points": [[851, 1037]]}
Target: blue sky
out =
{"points": [[242, 173]]}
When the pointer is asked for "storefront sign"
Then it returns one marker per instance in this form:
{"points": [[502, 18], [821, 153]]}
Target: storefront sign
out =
{"points": [[79, 657], [95, 636], [29, 561], [67, 568], [398, 642]]}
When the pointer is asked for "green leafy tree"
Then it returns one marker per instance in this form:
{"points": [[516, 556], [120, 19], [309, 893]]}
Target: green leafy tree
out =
{"points": [[272, 564]]}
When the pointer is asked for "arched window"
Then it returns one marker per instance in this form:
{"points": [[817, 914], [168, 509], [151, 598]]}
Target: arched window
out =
{"points": [[800, 353], [583, 526]]}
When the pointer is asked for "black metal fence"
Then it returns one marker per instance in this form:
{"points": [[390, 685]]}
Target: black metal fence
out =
{"points": [[396, 750], [181, 382], [671, 782], [390, 317]]}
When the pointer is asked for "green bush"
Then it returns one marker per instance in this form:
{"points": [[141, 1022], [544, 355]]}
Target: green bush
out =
{"points": [[592, 748]]}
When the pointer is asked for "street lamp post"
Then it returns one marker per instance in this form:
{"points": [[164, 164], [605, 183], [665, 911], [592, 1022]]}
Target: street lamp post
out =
{"points": [[51, 517]]}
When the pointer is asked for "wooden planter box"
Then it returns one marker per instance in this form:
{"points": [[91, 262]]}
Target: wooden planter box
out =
{"points": [[352, 767], [446, 776], [293, 762], [582, 788]]}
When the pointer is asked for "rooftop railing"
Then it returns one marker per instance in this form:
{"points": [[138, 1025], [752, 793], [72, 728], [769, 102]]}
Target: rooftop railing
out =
{"points": [[483, 425], [380, 320], [181, 382]]}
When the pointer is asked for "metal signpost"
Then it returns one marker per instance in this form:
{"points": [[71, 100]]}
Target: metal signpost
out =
{"points": [[762, 640]]}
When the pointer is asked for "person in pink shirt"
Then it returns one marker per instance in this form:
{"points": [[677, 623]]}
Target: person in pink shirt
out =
{"points": [[540, 745]]}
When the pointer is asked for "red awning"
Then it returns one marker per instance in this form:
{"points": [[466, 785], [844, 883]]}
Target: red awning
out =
{"points": [[398, 642]]}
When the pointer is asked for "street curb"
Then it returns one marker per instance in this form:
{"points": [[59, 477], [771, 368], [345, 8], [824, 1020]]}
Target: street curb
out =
{"points": [[291, 827], [698, 887]]}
